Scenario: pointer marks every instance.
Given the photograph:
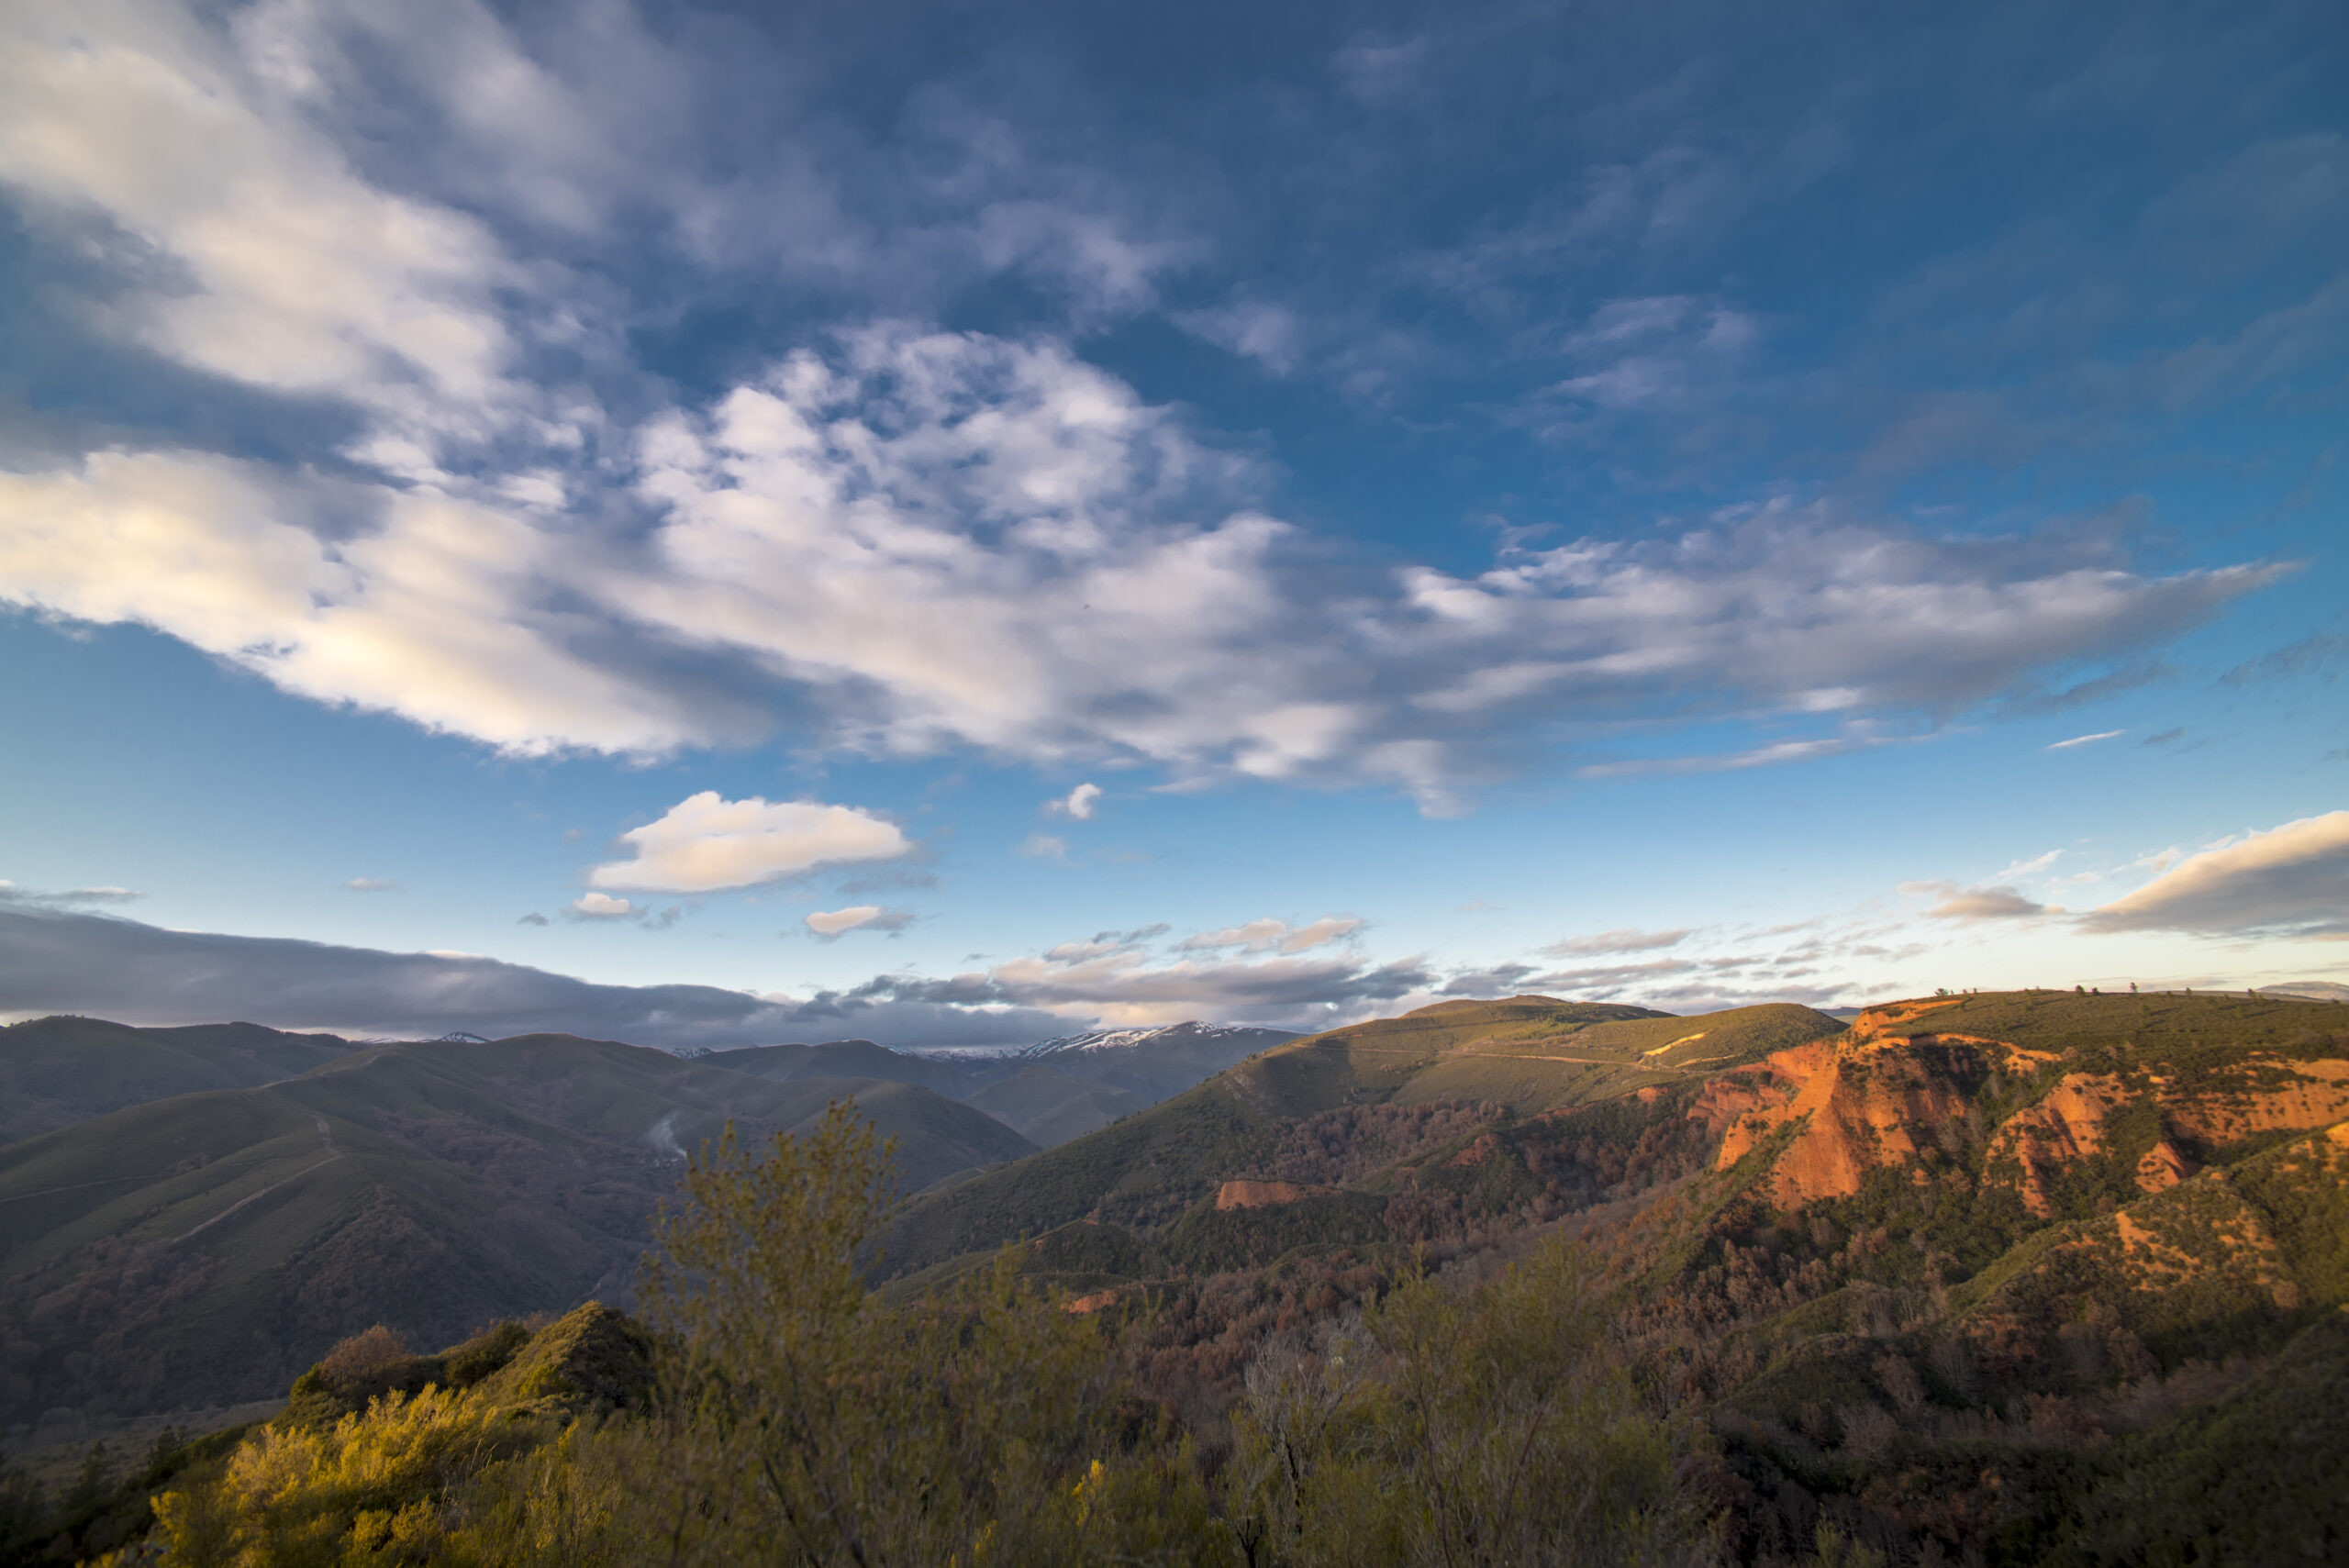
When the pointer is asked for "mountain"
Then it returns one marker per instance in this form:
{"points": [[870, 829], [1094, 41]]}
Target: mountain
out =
{"points": [[1050, 1092], [1049, 1107], [198, 1250], [849, 1059], [58, 1071], [1429, 1069], [2034, 1276], [2309, 990], [1154, 1063]]}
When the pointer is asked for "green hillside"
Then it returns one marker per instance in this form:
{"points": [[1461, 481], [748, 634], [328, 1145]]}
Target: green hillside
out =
{"points": [[198, 1250], [1520, 1056], [58, 1071]]}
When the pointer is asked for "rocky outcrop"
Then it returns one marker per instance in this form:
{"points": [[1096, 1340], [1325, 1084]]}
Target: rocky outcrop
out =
{"points": [[1266, 1194], [1890, 1088]]}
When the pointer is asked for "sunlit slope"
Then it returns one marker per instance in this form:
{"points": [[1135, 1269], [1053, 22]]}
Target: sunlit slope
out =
{"points": [[213, 1240], [58, 1071], [1528, 1054]]}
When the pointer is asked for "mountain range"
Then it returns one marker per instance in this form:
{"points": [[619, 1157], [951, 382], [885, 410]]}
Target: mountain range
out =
{"points": [[189, 1215], [2031, 1276]]}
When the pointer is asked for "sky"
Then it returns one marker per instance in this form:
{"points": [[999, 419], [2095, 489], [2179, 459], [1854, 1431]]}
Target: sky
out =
{"points": [[954, 524]]}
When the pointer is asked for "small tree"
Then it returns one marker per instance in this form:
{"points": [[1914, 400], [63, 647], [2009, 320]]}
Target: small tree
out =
{"points": [[806, 1419]]}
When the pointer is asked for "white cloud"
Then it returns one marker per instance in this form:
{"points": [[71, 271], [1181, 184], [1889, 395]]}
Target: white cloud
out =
{"points": [[1044, 847], [1274, 936], [602, 906], [833, 923], [369, 884], [288, 269], [703, 845], [1078, 803], [1970, 904], [1621, 940], [897, 540], [2086, 740], [2288, 881]]}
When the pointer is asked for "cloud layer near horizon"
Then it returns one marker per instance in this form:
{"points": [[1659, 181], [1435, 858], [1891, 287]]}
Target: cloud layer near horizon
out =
{"points": [[57, 962]]}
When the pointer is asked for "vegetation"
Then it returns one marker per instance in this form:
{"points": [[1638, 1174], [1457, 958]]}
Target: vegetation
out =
{"points": [[1421, 1331]]}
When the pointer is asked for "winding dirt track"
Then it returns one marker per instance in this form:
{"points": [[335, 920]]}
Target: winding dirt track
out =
{"points": [[325, 1141]]}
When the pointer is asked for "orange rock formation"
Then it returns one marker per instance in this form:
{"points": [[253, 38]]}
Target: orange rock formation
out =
{"points": [[1263, 1195]]}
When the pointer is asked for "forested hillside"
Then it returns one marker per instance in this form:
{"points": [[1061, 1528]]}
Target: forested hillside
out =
{"points": [[2025, 1278], [198, 1250]]}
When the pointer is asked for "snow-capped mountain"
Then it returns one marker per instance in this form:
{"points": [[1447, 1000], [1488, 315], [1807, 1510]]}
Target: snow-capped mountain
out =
{"points": [[1189, 1033]]}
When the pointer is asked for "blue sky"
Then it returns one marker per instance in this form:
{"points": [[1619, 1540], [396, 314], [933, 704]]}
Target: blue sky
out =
{"points": [[948, 524]]}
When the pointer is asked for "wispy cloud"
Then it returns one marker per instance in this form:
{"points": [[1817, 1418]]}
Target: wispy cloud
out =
{"points": [[2086, 740], [831, 925], [1621, 940], [369, 884]]}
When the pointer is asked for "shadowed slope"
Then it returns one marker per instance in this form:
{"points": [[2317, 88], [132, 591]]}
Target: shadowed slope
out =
{"points": [[58, 1071], [200, 1249]]}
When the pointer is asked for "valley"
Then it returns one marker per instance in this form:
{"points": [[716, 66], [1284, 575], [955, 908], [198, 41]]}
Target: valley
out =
{"points": [[1963, 1275]]}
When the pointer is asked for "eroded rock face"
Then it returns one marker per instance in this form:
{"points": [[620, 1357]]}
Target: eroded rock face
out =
{"points": [[1264, 1195], [1886, 1091], [1862, 1101]]}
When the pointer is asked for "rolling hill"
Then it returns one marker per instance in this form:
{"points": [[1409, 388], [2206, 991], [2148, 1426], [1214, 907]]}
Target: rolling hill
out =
{"points": [[198, 1250], [1515, 1058], [58, 1071], [2024, 1277]]}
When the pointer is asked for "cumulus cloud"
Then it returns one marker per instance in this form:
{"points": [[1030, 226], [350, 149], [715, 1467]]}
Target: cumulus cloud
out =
{"points": [[108, 967], [1968, 904], [2288, 881], [1621, 940], [831, 924], [602, 906], [705, 843], [1078, 803]]}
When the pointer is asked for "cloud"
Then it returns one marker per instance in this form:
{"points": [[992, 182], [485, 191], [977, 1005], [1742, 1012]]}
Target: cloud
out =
{"points": [[2291, 880], [1126, 986], [1623, 940], [1274, 936], [1969, 904], [532, 918], [368, 884], [1078, 803], [2323, 654], [603, 907], [1044, 847], [11, 893], [2086, 740], [831, 924], [705, 844], [108, 967], [401, 245]]}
